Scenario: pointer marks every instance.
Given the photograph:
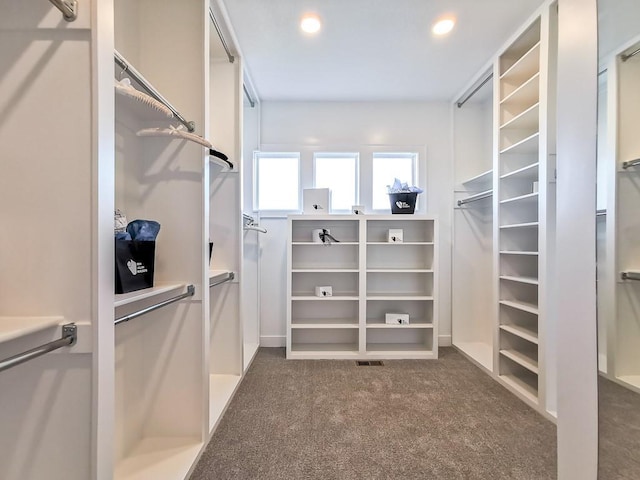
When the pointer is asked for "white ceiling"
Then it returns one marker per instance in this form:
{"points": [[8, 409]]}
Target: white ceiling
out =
{"points": [[370, 50]]}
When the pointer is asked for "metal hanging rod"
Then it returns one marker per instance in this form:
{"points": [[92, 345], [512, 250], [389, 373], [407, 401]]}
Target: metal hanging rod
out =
{"points": [[69, 337], [476, 197], [601, 213], [68, 8], [191, 290], [224, 42], [626, 57], [137, 76], [246, 93], [631, 163], [630, 275], [464, 100], [230, 276]]}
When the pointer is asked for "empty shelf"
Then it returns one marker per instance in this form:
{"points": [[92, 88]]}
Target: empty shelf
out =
{"points": [[522, 359], [529, 172], [12, 328], [522, 387], [335, 297], [398, 296], [408, 326], [324, 270], [525, 307], [315, 323], [484, 177], [525, 67], [317, 244], [221, 390], [527, 145], [527, 280], [399, 270], [522, 332], [325, 347], [397, 347], [527, 93], [529, 197], [132, 297], [517, 252], [520, 225], [399, 243]]}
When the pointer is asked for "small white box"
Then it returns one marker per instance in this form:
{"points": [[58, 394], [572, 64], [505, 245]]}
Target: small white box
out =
{"points": [[534, 189], [395, 235], [357, 209], [396, 318], [324, 291], [316, 201]]}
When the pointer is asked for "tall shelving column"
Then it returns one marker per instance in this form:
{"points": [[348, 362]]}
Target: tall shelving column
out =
{"points": [[524, 203], [472, 322], [160, 357]]}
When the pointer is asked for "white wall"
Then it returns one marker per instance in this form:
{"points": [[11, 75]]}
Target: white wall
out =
{"points": [[423, 125]]}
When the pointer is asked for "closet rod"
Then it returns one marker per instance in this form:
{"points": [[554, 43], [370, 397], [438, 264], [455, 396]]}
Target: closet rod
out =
{"points": [[191, 290], [224, 42], [68, 8], [69, 337], [137, 76], [476, 197], [230, 276], [601, 213], [246, 93], [461, 102], [630, 275], [631, 163], [626, 57]]}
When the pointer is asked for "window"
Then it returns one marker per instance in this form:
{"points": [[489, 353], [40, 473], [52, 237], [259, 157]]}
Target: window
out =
{"points": [[339, 172], [386, 167], [277, 179]]}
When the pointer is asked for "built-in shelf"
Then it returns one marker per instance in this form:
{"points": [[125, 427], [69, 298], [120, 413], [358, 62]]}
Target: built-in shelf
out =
{"points": [[525, 173], [12, 328], [521, 387], [527, 280], [520, 225], [526, 120], [484, 177], [518, 252], [522, 359], [318, 244], [528, 145], [521, 198], [408, 326], [334, 297], [399, 270], [524, 67], [481, 353], [527, 93], [398, 296], [324, 323], [132, 297], [325, 347], [399, 243], [397, 347], [221, 389], [522, 332], [215, 275], [525, 307], [324, 270], [160, 458]]}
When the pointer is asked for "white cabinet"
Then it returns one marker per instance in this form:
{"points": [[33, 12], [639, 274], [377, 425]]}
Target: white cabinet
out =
{"points": [[369, 277]]}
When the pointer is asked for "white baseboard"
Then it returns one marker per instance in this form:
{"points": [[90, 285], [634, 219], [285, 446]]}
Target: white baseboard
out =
{"points": [[444, 340], [273, 340]]}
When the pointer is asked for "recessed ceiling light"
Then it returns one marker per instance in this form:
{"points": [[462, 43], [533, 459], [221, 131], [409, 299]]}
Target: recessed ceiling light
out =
{"points": [[310, 23], [443, 26]]}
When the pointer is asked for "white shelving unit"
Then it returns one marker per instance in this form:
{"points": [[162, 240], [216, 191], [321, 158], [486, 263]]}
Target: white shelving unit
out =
{"points": [[525, 213], [369, 277]]}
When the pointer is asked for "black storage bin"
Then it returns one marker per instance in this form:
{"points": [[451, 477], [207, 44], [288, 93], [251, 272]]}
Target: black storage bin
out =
{"points": [[134, 265], [403, 202]]}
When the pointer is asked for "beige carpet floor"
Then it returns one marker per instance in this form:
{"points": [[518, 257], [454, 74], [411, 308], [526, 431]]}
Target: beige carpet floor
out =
{"points": [[409, 419]]}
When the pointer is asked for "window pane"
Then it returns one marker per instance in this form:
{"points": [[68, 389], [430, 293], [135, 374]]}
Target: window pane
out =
{"points": [[386, 167], [339, 174], [277, 182]]}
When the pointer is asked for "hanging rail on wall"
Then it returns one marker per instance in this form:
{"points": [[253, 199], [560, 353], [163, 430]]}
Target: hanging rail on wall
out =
{"points": [[230, 276], [137, 76], [631, 163], [68, 8], [630, 275], [69, 337], [191, 290], [476, 197], [224, 42], [466, 98], [173, 132], [626, 57], [249, 99], [601, 213]]}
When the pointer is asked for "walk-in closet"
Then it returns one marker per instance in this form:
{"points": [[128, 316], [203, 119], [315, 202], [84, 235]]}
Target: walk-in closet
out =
{"points": [[246, 239]]}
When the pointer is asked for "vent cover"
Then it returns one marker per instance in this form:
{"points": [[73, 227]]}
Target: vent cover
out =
{"points": [[369, 363]]}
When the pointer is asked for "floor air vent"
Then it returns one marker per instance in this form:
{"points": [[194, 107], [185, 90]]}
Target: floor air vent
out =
{"points": [[369, 363]]}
